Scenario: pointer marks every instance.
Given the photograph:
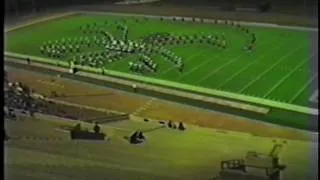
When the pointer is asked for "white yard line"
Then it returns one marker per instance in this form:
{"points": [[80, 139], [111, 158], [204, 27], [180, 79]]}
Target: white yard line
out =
{"points": [[247, 66], [314, 96], [269, 69], [219, 68], [144, 107], [224, 65], [303, 88], [286, 77], [43, 19], [189, 58], [51, 83], [207, 76], [197, 67]]}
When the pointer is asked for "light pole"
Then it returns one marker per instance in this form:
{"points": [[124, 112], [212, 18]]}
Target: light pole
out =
{"points": [[33, 6]]}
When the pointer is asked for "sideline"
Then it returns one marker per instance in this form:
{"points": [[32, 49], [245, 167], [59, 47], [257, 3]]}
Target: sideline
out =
{"points": [[313, 135], [39, 20], [236, 102], [206, 20], [245, 106]]}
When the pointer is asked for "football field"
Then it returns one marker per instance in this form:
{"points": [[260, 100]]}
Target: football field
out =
{"points": [[278, 69]]}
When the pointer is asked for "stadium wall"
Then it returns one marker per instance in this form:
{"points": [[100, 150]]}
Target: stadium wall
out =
{"points": [[201, 8], [209, 12]]}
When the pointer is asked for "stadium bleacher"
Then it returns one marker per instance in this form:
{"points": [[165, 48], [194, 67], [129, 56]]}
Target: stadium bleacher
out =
{"points": [[18, 97]]}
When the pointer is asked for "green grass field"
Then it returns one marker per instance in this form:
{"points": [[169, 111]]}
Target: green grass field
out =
{"points": [[278, 70], [167, 154]]}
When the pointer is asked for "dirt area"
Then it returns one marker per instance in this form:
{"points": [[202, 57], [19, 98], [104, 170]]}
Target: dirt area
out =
{"points": [[80, 93], [100, 97], [175, 112]]}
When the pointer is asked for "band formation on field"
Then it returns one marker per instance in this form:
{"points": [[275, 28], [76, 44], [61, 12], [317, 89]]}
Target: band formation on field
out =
{"points": [[95, 36]]}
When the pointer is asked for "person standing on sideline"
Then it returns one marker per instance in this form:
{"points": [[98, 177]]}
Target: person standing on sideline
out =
{"points": [[96, 128], [134, 87]]}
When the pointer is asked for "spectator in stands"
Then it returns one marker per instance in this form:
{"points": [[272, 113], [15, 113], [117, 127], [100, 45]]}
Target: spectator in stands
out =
{"points": [[6, 137], [96, 128], [174, 126], [6, 78], [134, 87], [181, 126], [141, 136], [134, 138], [31, 112], [77, 127], [170, 124]]}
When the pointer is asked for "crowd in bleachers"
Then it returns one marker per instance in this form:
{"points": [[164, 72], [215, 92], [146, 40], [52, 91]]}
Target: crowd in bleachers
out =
{"points": [[20, 98], [17, 97]]}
